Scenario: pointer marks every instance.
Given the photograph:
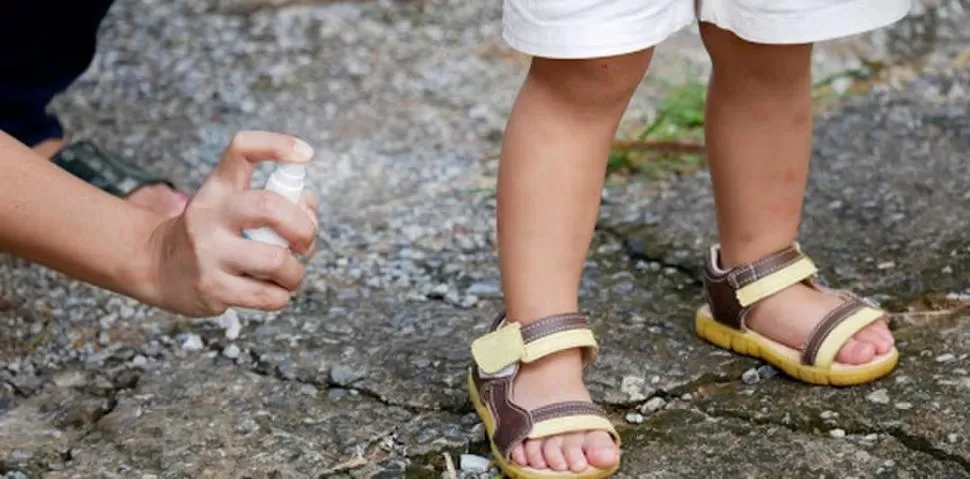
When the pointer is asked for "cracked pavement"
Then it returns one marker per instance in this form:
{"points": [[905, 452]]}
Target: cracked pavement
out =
{"points": [[363, 375]]}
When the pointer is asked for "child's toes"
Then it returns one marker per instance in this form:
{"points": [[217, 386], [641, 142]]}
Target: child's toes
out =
{"points": [[518, 455], [533, 450], [601, 451], [882, 327], [552, 448], [872, 336], [856, 352], [573, 450]]}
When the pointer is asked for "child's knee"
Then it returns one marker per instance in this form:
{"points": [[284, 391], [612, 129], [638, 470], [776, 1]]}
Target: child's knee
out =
{"points": [[592, 83]]}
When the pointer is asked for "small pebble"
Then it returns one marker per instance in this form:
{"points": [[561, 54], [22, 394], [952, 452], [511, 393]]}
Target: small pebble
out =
{"points": [[231, 351], [828, 415], [767, 372], [953, 438], [904, 405], [634, 418], [485, 290], [945, 358], [308, 390], [879, 396], [653, 405], [192, 342], [633, 387], [472, 463], [230, 322], [343, 374], [139, 361], [837, 433], [750, 376]]}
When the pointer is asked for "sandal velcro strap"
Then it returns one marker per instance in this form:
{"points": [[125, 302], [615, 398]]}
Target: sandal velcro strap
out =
{"points": [[567, 417], [828, 337], [512, 343], [766, 282]]}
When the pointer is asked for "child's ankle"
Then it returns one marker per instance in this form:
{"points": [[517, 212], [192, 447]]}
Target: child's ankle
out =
{"points": [[561, 365]]}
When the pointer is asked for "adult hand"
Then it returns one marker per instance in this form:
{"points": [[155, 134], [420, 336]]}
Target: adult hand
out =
{"points": [[204, 265]]}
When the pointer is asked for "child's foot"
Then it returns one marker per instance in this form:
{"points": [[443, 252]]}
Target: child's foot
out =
{"points": [[561, 373], [527, 386], [160, 199], [790, 316]]}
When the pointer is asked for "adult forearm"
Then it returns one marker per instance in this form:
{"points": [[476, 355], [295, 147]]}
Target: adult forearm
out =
{"points": [[50, 217]]}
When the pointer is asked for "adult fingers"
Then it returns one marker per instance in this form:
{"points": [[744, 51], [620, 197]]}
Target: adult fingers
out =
{"points": [[309, 200], [251, 293], [264, 262], [247, 148], [252, 209]]}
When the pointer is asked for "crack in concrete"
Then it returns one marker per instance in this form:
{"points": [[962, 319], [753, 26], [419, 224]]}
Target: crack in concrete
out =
{"points": [[641, 256], [912, 442], [266, 369], [42, 462]]}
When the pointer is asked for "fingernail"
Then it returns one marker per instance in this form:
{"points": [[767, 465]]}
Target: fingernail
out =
{"points": [[312, 214], [303, 149]]}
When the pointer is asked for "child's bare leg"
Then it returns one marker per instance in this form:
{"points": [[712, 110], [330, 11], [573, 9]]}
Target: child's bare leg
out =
{"points": [[550, 179], [759, 128]]}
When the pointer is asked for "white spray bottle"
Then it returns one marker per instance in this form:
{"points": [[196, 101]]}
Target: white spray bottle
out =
{"points": [[287, 180]]}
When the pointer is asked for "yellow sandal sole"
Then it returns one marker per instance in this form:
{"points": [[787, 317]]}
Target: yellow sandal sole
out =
{"points": [[750, 343]]}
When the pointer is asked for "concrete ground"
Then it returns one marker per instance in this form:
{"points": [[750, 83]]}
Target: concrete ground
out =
{"points": [[363, 375]]}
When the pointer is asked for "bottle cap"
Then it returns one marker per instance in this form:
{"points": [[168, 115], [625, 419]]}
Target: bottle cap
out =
{"points": [[291, 171]]}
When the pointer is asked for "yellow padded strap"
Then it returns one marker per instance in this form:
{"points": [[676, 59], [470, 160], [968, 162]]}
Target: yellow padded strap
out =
{"points": [[783, 278], [574, 338], [567, 424], [499, 349], [846, 329], [504, 347]]}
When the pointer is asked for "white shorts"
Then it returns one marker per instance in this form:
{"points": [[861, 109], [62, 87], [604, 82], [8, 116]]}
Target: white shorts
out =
{"points": [[599, 28]]}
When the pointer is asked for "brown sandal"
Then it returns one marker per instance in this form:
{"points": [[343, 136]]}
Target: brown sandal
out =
{"points": [[497, 356], [731, 294]]}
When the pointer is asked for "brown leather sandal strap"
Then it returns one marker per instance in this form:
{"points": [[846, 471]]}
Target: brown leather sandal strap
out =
{"points": [[568, 417], [846, 320], [566, 408], [744, 275], [552, 325], [731, 293]]}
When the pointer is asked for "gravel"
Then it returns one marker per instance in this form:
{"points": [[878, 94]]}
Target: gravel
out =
{"points": [[405, 132], [417, 224]]}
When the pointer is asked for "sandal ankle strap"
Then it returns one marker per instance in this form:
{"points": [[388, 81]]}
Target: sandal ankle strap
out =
{"points": [[731, 293], [511, 343]]}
